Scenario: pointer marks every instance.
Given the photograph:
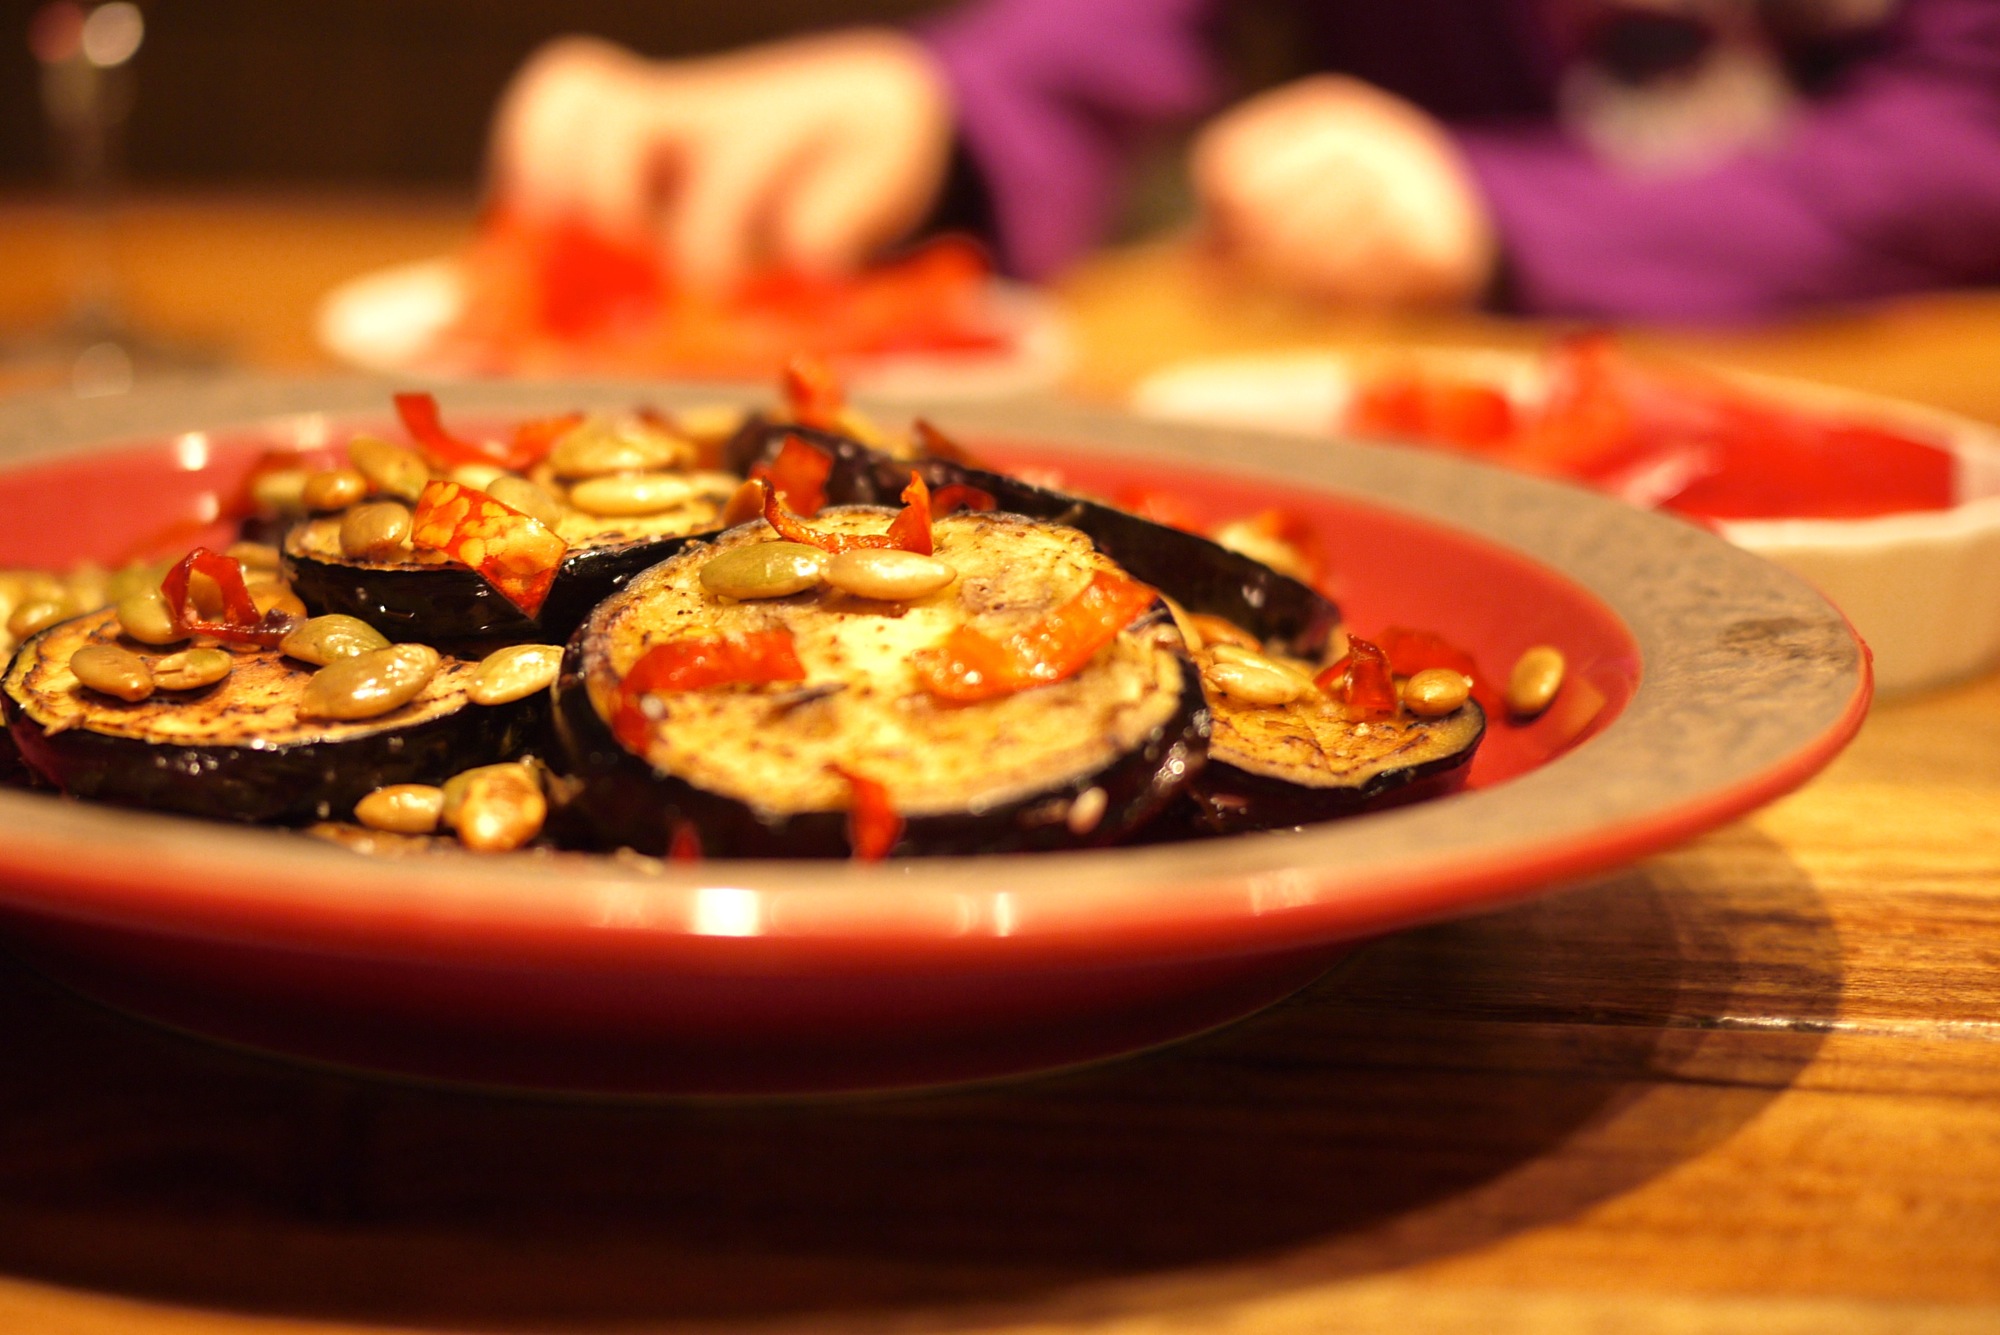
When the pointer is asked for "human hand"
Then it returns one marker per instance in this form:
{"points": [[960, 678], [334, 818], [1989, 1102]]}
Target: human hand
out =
{"points": [[805, 154], [1335, 188]]}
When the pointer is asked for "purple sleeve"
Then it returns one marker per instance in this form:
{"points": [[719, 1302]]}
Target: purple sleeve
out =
{"points": [[1891, 183], [1051, 96]]}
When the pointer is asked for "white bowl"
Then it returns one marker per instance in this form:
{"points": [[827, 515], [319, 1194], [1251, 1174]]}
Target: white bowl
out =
{"points": [[1923, 589]]}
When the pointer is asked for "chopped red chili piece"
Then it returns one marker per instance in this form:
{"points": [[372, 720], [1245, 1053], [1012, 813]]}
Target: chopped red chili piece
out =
{"points": [[961, 496], [241, 622], [971, 665], [1412, 651], [695, 663], [813, 393], [910, 530], [798, 475], [938, 445], [685, 843], [1162, 507], [873, 825], [516, 553], [532, 440], [1361, 681]]}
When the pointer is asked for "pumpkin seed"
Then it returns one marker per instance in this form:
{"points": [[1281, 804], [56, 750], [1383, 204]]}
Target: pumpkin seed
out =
{"points": [[714, 422], [391, 469], [331, 638], [1537, 676], [38, 614], [334, 489], [764, 570], [1216, 630], [270, 595], [1435, 692], [375, 531], [598, 446], [402, 808], [280, 491], [255, 558], [192, 669], [622, 494], [1250, 677], [514, 673], [495, 808], [369, 684], [112, 670], [477, 476], [144, 616], [520, 494], [888, 575]]}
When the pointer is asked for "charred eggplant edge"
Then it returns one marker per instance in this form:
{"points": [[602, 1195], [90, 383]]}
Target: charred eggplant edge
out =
{"points": [[282, 785]]}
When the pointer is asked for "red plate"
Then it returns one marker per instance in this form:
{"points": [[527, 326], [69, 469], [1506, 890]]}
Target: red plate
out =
{"points": [[1704, 682]]}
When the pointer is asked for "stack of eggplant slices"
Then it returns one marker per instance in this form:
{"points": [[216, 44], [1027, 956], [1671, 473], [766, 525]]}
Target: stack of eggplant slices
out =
{"points": [[782, 635]]}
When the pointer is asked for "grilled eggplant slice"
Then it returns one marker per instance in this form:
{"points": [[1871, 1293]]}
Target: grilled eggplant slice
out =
{"points": [[425, 596], [761, 770], [1202, 576], [239, 750], [1276, 766]]}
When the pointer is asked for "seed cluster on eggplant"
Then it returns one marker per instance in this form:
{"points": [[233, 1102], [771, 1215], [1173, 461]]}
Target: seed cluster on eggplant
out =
{"points": [[764, 770], [424, 595], [1276, 766], [1196, 572], [240, 750]]}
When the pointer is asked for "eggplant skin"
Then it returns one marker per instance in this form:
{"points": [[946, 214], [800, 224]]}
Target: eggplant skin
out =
{"points": [[606, 797], [1230, 799], [1005, 780], [453, 607], [1200, 575], [253, 780]]}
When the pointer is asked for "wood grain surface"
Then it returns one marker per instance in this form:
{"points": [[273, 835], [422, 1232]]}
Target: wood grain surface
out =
{"points": [[1751, 1085]]}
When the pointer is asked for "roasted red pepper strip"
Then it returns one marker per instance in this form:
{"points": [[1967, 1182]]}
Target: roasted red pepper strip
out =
{"points": [[535, 438], [685, 843], [971, 665], [241, 622], [695, 663], [532, 440], [1361, 681], [798, 475], [909, 530], [938, 445], [813, 393], [873, 825], [516, 553]]}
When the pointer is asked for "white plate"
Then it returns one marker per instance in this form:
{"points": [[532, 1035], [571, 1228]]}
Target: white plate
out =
{"points": [[389, 321], [1923, 589]]}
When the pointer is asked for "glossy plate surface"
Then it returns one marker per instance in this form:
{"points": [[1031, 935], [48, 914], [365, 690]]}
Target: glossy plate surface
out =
{"points": [[1704, 682]]}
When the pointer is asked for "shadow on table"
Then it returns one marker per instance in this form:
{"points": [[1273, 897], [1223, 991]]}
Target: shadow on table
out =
{"points": [[1442, 1089]]}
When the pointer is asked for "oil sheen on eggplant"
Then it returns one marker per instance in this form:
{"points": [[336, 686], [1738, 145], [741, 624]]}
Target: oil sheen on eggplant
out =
{"points": [[238, 750], [1077, 763], [1276, 766], [428, 597], [1201, 575]]}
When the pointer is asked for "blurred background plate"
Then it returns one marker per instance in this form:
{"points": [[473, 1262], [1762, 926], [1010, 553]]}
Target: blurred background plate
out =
{"points": [[389, 321], [1922, 588]]}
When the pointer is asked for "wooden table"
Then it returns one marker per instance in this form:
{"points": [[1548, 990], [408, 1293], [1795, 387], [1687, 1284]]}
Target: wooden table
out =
{"points": [[1751, 1085]]}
